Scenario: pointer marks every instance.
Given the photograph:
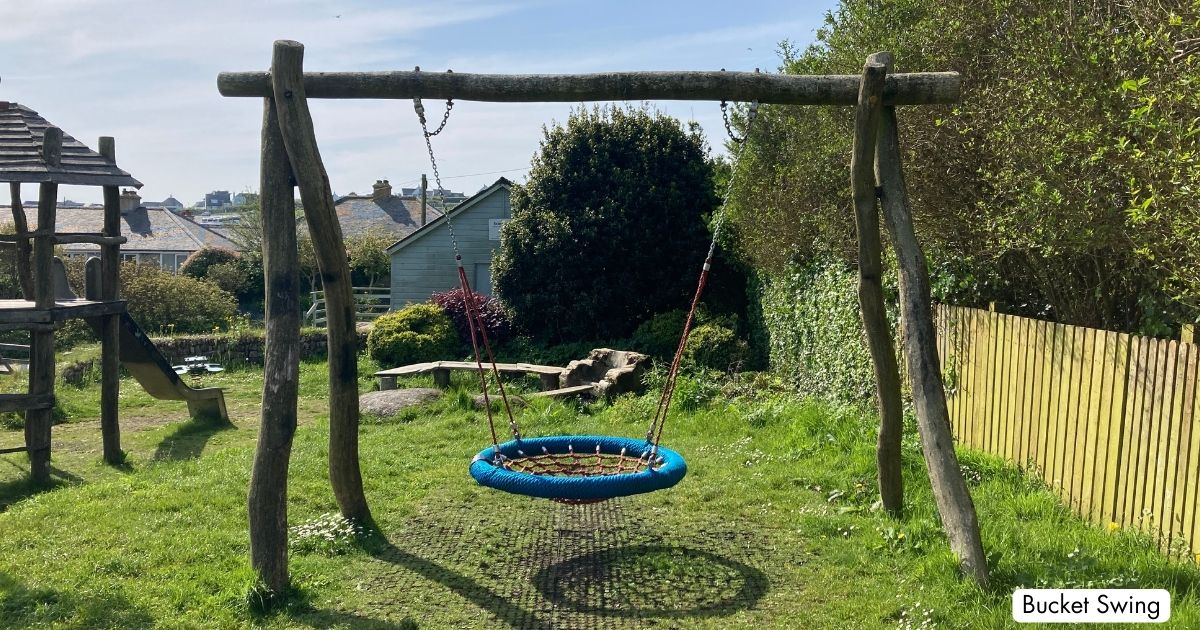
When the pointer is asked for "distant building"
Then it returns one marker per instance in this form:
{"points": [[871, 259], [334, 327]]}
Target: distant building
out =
{"points": [[423, 261], [217, 199], [170, 203], [155, 235]]}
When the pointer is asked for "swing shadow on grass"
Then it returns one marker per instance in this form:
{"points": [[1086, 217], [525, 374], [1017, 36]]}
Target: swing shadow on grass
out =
{"points": [[652, 581], [502, 609]]}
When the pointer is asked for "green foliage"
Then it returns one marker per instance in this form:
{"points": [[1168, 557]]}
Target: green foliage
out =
{"points": [[164, 303], [198, 264], [816, 335], [659, 335], [370, 264], [421, 332], [609, 227], [1062, 185], [715, 346]]}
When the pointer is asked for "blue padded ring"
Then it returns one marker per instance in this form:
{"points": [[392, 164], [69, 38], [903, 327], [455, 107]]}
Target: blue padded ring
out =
{"points": [[590, 488]]}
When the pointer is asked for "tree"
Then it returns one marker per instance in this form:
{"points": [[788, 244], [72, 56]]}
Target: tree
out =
{"points": [[198, 264], [1061, 186], [610, 226]]}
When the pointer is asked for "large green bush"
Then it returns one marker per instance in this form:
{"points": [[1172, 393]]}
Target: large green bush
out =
{"points": [[816, 337], [164, 303], [715, 346], [417, 333], [609, 229]]}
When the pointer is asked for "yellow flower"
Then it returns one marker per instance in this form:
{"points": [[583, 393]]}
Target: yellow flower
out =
{"points": [[1113, 526]]}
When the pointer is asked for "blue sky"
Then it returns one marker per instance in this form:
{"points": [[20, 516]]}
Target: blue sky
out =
{"points": [[145, 72]]}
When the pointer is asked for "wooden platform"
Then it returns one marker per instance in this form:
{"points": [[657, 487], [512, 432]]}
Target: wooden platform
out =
{"points": [[547, 374], [23, 314]]}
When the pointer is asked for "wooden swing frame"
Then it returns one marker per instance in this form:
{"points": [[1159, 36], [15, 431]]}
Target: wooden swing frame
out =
{"points": [[290, 157]]}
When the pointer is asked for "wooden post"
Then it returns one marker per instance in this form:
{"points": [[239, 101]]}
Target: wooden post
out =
{"points": [[1187, 333], [267, 499], [441, 378], [23, 249], [41, 341], [870, 291], [295, 123], [950, 490], [110, 332]]}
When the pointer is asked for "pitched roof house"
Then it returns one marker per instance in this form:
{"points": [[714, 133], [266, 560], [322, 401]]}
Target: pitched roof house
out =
{"points": [[423, 261], [155, 235], [381, 212]]}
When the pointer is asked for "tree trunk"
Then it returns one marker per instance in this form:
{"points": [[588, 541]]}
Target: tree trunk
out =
{"points": [[870, 291], [267, 500], [23, 250], [287, 78], [950, 491]]}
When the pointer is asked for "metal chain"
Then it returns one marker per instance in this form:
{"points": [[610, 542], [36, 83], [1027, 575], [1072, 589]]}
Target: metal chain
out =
{"points": [[728, 127], [441, 203]]}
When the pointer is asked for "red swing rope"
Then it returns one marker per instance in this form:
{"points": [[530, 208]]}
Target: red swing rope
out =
{"points": [[475, 326]]}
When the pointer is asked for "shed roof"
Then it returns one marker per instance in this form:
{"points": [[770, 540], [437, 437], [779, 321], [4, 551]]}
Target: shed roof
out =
{"points": [[428, 228], [21, 131]]}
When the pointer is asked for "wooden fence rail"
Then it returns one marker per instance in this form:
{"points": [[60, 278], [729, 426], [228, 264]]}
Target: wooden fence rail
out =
{"points": [[369, 304], [1108, 420]]}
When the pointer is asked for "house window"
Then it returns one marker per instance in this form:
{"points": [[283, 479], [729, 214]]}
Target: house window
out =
{"points": [[172, 262], [129, 257]]}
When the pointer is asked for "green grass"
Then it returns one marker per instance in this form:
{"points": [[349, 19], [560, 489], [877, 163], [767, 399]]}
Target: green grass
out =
{"points": [[774, 526]]}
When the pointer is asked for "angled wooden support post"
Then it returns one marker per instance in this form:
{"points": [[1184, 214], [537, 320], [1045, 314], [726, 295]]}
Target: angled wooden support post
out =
{"points": [[295, 124], [870, 290], [110, 332], [950, 490], [267, 499], [23, 250], [41, 342]]}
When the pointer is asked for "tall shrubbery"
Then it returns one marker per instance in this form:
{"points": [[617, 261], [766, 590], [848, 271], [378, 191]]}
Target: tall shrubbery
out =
{"points": [[816, 336], [609, 229], [162, 302], [1062, 185]]}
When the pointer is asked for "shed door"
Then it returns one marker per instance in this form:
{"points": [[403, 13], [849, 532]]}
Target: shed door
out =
{"points": [[483, 278]]}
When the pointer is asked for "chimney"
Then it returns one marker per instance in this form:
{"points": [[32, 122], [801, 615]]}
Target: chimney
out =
{"points": [[130, 200], [424, 199], [383, 190]]}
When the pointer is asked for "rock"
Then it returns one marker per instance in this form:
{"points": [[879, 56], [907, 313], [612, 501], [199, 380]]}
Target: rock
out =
{"points": [[390, 402], [612, 372]]}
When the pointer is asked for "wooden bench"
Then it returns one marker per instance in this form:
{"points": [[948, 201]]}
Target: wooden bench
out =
{"points": [[547, 374]]}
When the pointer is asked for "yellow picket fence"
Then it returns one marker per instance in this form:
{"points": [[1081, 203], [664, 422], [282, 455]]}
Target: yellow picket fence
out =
{"points": [[1109, 420]]}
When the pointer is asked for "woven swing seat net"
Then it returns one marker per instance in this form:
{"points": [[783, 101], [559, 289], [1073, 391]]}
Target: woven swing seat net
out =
{"points": [[573, 469]]}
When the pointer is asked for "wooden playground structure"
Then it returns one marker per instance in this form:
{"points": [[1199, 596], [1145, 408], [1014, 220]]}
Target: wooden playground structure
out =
{"points": [[33, 151]]}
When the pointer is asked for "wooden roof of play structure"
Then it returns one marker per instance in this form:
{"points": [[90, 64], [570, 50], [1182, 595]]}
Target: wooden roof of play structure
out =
{"points": [[21, 160]]}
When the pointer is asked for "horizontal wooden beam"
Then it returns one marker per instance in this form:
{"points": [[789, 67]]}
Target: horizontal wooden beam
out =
{"points": [[25, 402], [917, 88]]}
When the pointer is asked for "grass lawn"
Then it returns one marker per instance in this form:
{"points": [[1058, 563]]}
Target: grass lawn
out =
{"points": [[772, 527]]}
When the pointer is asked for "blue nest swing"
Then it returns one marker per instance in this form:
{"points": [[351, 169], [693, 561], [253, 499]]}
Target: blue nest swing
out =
{"points": [[578, 468]]}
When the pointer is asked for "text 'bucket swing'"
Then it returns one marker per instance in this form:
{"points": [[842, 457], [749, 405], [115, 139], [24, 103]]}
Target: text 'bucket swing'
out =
{"points": [[574, 468]]}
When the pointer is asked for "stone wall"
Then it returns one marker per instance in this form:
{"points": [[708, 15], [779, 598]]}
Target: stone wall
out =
{"points": [[228, 349]]}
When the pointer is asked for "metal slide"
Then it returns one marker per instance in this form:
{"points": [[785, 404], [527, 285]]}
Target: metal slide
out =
{"points": [[141, 357]]}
